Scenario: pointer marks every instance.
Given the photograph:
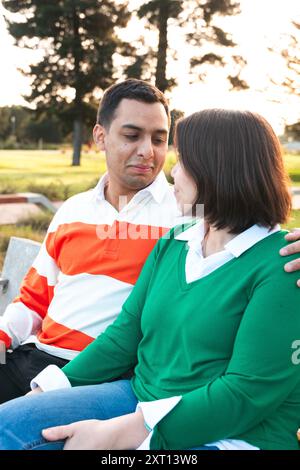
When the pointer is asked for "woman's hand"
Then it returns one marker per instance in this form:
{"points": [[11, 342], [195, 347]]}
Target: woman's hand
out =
{"points": [[84, 435], [123, 432], [294, 265]]}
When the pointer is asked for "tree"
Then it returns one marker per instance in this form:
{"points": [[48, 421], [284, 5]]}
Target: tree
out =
{"points": [[219, 45], [6, 120], [20, 125], [48, 129], [79, 40], [13, 122], [293, 131], [158, 14], [175, 115], [291, 55], [201, 15]]}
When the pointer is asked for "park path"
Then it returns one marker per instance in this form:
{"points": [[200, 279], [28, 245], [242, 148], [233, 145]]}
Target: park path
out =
{"points": [[12, 213]]}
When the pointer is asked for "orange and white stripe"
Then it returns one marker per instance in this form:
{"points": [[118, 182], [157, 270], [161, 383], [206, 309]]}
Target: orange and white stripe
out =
{"points": [[86, 268]]}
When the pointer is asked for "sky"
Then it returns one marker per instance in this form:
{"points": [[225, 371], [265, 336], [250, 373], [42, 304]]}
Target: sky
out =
{"points": [[262, 23]]}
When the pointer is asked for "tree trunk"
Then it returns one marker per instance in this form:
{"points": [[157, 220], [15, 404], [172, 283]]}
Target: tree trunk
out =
{"points": [[77, 141], [160, 76], [77, 125]]}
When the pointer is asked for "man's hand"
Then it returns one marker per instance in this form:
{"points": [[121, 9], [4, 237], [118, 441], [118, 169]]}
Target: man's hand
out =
{"points": [[290, 249], [35, 391], [123, 432]]}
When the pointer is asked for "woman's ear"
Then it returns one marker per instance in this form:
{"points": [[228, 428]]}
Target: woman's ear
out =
{"points": [[99, 136]]}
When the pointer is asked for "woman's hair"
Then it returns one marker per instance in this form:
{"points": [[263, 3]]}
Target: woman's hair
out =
{"points": [[235, 159]]}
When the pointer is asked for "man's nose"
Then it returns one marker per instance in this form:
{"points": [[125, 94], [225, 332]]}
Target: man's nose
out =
{"points": [[146, 149]]}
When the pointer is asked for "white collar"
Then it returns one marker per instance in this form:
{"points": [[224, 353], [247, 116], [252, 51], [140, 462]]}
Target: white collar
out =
{"points": [[157, 189], [238, 245], [98, 191]]}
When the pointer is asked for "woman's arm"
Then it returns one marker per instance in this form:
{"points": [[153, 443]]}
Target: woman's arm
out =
{"points": [[114, 352]]}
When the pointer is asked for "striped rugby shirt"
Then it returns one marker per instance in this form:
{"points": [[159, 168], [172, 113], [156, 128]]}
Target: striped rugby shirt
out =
{"points": [[91, 258]]}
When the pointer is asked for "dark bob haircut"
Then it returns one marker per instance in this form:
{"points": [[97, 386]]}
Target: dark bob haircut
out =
{"points": [[235, 159], [131, 89]]}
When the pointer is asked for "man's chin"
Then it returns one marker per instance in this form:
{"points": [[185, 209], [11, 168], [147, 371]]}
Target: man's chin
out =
{"points": [[138, 182]]}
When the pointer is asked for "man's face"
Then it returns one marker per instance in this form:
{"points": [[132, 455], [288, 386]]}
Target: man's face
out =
{"points": [[135, 144]]}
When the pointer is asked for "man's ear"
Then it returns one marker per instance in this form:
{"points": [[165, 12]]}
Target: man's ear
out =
{"points": [[99, 134]]}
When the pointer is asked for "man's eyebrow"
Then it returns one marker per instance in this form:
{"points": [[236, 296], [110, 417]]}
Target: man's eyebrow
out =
{"points": [[137, 128], [132, 126]]}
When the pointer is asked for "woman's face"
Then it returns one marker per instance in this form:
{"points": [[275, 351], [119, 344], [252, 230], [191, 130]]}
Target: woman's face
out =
{"points": [[184, 187]]}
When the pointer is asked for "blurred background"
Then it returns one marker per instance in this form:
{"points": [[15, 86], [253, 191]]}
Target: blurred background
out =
{"points": [[57, 58]]}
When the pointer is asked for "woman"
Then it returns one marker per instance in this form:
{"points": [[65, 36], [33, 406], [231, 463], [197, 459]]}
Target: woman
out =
{"points": [[210, 326]]}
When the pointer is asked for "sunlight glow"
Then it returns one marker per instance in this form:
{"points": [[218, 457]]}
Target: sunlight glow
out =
{"points": [[262, 24]]}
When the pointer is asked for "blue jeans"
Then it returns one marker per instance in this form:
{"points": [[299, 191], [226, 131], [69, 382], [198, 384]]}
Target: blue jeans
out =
{"points": [[23, 419]]}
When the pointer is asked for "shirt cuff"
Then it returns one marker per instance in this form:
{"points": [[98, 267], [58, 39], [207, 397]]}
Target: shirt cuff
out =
{"points": [[50, 378], [154, 412], [5, 338]]}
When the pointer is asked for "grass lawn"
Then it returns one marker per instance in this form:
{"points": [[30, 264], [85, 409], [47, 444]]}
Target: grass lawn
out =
{"points": [[293, 167], [294, 221], [48, 172]]}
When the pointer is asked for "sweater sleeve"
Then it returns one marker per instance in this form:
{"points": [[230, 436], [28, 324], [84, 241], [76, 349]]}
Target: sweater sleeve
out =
{"points": [[260, 375], [114, 352], [23, 317]]}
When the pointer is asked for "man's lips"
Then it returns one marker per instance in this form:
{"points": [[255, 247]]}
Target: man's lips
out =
{"points": [[141, 168]]}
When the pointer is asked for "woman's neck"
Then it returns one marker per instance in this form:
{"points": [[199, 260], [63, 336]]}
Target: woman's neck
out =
{"points": [[215, 240]]}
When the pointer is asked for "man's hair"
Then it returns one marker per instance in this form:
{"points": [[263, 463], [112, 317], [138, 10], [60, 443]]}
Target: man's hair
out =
{"points": [[131, 89], [235, 159]]}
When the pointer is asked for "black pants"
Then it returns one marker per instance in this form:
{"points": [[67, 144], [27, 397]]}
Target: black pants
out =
{"points": [[22, 365]]}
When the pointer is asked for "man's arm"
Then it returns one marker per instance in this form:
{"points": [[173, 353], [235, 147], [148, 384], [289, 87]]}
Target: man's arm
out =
{"points": [[24, 316], [290, 249]]}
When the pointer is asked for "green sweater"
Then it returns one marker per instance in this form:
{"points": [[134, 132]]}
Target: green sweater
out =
{"points": [[224, 342]]}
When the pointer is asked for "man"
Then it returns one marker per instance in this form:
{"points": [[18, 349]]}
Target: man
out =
{"points": [[97, 242]]}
